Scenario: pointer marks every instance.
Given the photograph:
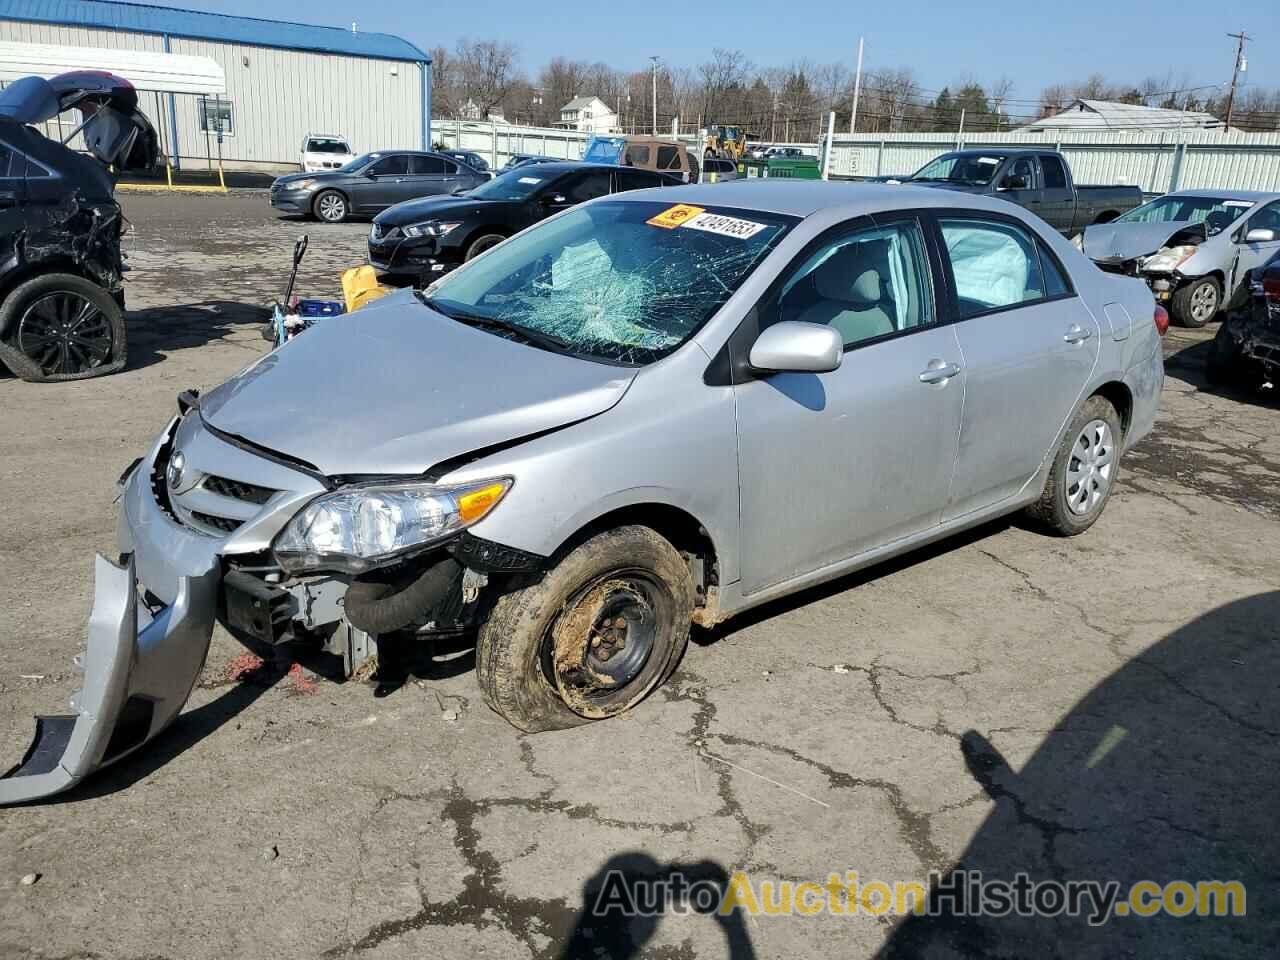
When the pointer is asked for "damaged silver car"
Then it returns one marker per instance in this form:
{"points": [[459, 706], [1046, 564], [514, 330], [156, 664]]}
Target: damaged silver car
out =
{"points": [[656, 409], [1194, 248]]}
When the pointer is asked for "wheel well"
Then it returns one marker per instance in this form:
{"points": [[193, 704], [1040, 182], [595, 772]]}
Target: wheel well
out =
{"points": [[1120, 398], [321, 192], [479, 232], [683, 530]]}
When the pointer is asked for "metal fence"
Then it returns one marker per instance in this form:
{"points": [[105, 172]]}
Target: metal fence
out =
{"points": [[1156, 161]]}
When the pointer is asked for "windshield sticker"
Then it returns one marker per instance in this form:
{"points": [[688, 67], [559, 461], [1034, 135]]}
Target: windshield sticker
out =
{"points": [[988, 159], [724, 226], [1238, 203], [532, 181], [673, 217]]}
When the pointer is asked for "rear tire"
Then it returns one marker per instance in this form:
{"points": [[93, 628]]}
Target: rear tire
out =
{"points": [[1227, 365], [1084, 472], [482, 243], [597, 634], [59, 326], [1196, 303]]}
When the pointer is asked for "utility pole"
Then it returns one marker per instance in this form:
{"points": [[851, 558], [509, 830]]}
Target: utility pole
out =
{"points": [[1240, 38], [655, 95], [857, 89]]}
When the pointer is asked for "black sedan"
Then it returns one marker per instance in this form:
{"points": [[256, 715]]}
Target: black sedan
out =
{"points": [[423, 239], [370, 183]]}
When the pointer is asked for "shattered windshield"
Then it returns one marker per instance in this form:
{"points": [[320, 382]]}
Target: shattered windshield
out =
{"points": [[960, 168], [1189, 210], [626, 282]]}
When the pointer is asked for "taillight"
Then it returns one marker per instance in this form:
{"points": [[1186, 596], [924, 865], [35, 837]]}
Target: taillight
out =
{"points": [[1271, 284], [1162, 320]]}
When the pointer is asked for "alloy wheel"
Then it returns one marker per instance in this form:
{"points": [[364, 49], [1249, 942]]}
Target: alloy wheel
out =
{"points": [[332, 208], [65, 333], [1091, 468], [1204, 302]]}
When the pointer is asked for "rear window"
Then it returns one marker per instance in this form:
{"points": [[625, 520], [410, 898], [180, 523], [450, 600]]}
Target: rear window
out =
{"points": [[668, 158], [620, 281]]}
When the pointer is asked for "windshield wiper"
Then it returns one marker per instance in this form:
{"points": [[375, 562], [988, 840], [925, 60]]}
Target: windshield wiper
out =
{"points": [[535, 338]]}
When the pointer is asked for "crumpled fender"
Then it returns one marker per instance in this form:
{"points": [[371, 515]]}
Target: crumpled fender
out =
{"points": [[136, 681]]}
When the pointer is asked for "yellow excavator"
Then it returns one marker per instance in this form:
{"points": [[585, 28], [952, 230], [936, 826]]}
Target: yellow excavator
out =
{"points": [[725, 143]]}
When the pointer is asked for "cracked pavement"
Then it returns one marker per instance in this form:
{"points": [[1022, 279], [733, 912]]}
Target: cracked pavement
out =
{"points": [[1105, 707]]}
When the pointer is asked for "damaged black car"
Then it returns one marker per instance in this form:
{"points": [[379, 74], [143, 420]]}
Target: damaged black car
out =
{"points": [[1246, 350], [61, 266]]}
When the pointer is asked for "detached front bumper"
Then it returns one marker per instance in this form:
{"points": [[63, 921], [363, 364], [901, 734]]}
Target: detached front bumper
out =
{"points": [[139, 670], [149, 631]]}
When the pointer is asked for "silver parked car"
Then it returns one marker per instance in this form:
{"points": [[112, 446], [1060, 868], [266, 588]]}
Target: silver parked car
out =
{"points": [[1194, 248], [654, 409]]}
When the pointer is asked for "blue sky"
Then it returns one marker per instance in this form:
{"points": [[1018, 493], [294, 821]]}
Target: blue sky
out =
{"points": [[1032, 43]]}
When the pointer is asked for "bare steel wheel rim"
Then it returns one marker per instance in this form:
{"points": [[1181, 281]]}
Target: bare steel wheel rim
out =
{"points": [[332, 207], [65, 333], [1204, 302], [1090, 468], [604, 651]]}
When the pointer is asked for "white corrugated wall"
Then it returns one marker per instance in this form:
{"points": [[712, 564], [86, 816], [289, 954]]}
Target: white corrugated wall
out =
{"points": [[277, 96]]}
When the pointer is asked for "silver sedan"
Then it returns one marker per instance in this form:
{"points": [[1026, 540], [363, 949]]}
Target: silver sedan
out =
{"points": [[655, 409]]}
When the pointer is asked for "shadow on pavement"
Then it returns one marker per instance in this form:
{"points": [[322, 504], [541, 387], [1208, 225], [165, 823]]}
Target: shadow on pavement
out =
{"points": [[605, 930], [156, 331], [1166, 771]]}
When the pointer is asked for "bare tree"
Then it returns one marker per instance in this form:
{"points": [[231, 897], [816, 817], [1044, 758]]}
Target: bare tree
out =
{"points": [[486, 71]]}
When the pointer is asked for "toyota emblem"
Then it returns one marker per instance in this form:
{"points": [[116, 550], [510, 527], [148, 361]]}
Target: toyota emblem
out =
{"points": [[177, 465]]}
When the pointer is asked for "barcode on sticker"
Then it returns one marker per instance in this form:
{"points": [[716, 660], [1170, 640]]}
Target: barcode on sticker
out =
{"points": [[725, 226]]}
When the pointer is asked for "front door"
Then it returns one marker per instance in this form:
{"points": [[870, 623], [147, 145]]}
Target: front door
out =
{"points": [[833, 464], [1029, 347], [379, 186], [1255, 254], [1030, 196]]}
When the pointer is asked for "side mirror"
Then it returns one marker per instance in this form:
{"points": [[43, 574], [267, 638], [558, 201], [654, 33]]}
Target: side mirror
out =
{"points": [[554, 199], [1260, 235], [796, 347], [370, 173], [1013, 182]]}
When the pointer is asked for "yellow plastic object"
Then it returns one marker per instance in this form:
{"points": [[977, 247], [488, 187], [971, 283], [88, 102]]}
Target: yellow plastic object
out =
{"points": [[360, 286]]}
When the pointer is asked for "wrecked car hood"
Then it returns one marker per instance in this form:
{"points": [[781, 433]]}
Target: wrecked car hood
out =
{"points": [[1124, 241], [397, 388]]}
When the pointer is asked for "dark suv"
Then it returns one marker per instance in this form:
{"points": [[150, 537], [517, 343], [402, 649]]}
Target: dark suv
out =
{"points": [[372, 182], [61, 292], [426, 238]]}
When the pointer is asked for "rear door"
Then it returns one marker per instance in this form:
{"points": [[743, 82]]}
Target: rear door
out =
{"points": [[1029, 348], [1058, 199]]}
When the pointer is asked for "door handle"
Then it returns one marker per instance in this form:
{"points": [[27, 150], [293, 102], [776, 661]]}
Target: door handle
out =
{"points": [[939, 371], [1077, 334]]}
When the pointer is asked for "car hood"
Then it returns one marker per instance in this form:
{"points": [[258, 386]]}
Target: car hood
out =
{"points": [[433, 208], [397, 388], [1124, 241]]}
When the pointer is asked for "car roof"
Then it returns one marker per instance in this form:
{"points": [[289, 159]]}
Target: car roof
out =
{"points": [[1255, 195], [563, 166], [803, 198], [1002, 151]]}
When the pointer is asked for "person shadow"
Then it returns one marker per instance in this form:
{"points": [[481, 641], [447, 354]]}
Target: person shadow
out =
{"points": [[608, 928], [1166, 771]]}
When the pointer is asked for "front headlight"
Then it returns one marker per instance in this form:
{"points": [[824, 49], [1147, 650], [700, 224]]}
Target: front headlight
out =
{"points": [[359, 528], [1169, 259], [299, 184], [430, 228]]}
